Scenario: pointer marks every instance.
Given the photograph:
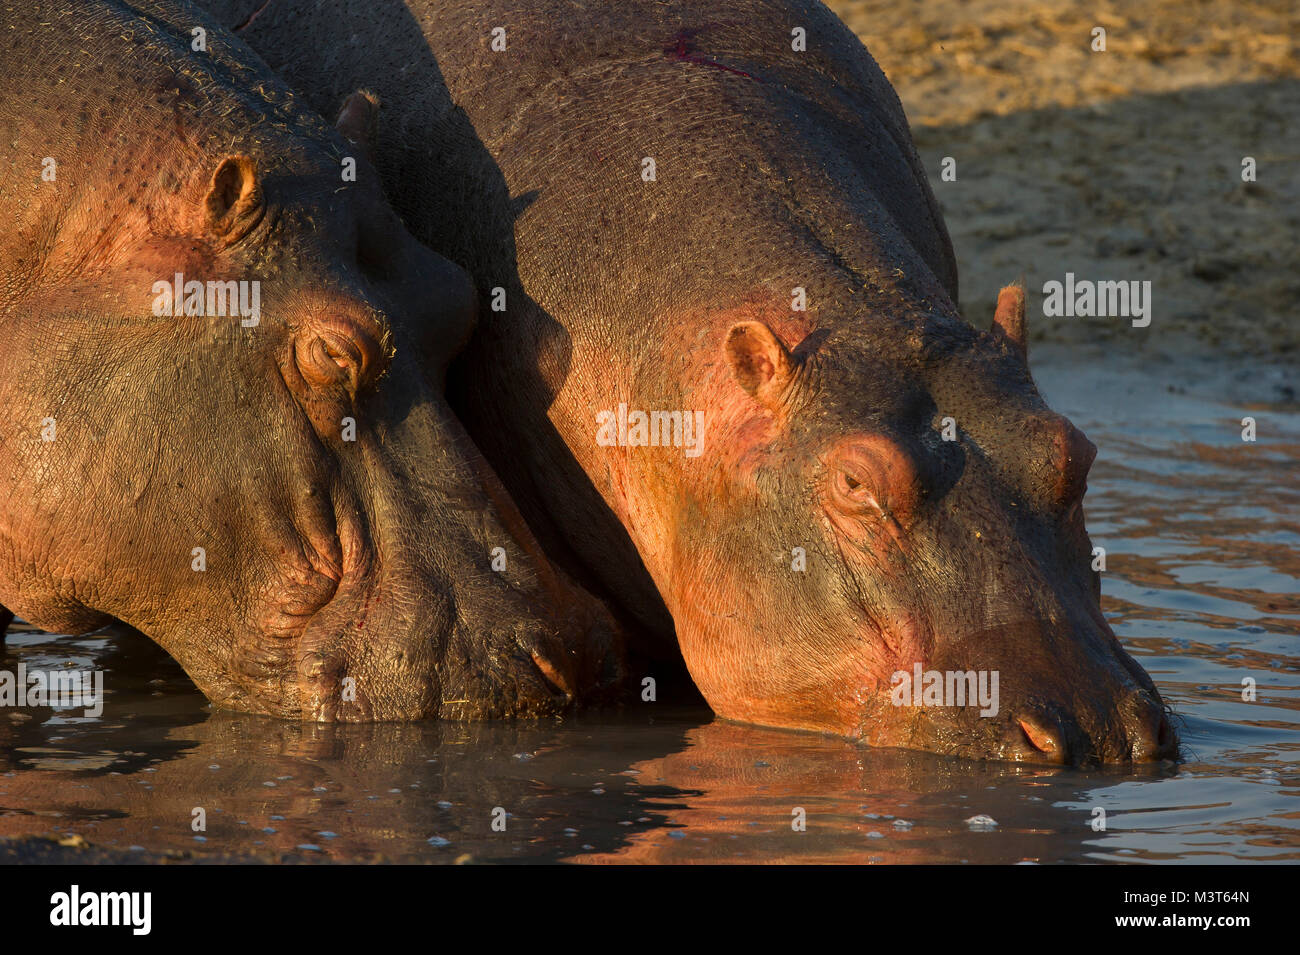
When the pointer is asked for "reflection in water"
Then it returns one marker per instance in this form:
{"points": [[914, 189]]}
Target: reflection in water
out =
{"points": [[1202, 564]]}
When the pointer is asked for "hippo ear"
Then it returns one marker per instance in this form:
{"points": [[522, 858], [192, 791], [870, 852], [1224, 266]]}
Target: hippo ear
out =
{"points": [[234, 201], [358, 118], [760, 362], [1009, 318]]}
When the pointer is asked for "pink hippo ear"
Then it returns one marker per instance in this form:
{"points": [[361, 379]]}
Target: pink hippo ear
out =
{"points": [[358, 118], [1009, 318], [234, 203], [760, 362]]}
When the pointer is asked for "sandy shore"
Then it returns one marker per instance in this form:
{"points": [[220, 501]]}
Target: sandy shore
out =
{"points": [[1117, 165]]}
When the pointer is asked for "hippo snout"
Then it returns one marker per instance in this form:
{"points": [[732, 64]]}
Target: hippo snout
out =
{"points": [[1142, 733], [1029, 692], [1149, 730]]}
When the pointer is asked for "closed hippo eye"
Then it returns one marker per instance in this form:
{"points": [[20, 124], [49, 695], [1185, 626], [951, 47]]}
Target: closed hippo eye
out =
{"points": [[345, 353], [332, 356], [322, 363]]}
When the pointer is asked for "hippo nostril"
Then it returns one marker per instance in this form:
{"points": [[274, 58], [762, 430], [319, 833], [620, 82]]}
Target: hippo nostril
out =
{"points": [[1045, 738], [1151, 733]]}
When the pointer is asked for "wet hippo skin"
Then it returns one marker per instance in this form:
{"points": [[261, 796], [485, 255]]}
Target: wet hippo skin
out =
{"points": [[275, 492], [679, 207]]}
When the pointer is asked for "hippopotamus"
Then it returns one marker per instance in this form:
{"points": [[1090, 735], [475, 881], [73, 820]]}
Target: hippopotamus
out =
{"points": [[223, 381], [721, 368]]}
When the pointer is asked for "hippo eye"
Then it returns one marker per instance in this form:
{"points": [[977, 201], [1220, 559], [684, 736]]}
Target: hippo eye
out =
{"points": [[329, 359], [873, 475], [855, 494]]}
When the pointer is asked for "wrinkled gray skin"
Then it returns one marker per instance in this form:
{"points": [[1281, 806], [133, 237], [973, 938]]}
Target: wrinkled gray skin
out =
{"points": [[340, 579], [774, 170]]}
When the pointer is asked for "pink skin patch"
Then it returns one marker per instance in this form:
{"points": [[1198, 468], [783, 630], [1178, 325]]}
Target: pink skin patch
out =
{"points": [[679, 49], [251, 17]]}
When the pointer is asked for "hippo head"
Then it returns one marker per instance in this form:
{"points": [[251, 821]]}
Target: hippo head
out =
{"points": [[912, 567], [224, 426]]}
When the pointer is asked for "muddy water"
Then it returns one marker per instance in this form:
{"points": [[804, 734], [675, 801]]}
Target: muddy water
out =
{"points": [[1202, 584]]}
